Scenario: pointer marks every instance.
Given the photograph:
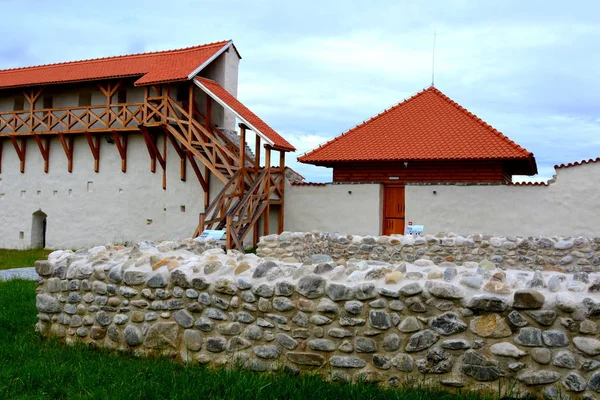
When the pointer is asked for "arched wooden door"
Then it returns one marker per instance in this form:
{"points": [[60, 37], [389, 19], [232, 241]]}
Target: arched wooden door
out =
{"points": [[393, 210]]}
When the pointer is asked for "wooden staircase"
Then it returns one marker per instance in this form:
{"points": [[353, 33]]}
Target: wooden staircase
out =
{"points": [[250, 189]]}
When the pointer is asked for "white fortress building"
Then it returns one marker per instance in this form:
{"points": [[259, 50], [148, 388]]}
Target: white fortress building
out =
{"points": [[147, 146]]}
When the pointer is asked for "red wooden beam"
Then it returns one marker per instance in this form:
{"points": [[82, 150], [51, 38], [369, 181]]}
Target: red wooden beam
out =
{"points": [[122, 147], [94, 143], [68, 147], [21, 150], [153, 150], [182, 155], [44, 150], [203, 182]]}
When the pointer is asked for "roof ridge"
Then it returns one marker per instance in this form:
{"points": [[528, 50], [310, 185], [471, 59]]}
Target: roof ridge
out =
{"points": [[385, 111], [480, 121], [133, 55]]}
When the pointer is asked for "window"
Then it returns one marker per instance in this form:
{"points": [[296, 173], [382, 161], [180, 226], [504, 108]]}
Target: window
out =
{"points": [[19, 103], [47, 102], [85, 99], [122, 96]]}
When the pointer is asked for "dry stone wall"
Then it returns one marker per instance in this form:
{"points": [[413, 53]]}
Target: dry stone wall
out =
{"points": [[567, 254], [457, 323]]}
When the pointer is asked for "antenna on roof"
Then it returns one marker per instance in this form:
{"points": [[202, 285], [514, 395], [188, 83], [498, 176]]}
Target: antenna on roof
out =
{"points": [[433, 60]]}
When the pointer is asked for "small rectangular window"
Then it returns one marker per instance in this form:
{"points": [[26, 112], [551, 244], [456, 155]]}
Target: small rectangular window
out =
{"points": [[122, 96], [19, 103], [85, 99], [48, 101]]}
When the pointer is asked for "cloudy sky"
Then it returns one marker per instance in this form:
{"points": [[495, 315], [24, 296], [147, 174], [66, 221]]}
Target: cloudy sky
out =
{"points": [[314, 69]]}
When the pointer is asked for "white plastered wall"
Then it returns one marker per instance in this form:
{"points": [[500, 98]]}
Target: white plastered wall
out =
{"points": [[344, 208], [224, 71], [85, 208], [569, 206]]}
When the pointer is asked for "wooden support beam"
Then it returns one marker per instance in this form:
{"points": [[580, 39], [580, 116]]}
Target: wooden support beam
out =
{"points": [[243, 146], [196, 169], [207, 191], [44, 150], [242, 160], [21, 150], [68, 147], [267, 215], [280, 219], [94, 142], [121, 143], [257, 155], [153, 150], [190, 109], [31, 98], [181, 152]]}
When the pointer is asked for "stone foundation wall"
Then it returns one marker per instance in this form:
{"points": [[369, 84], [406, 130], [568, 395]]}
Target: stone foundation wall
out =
{"points": [[529, 253], [349, 320]]}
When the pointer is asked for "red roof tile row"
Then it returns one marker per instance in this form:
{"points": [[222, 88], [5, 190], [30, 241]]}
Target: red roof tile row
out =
{"points": [[427, 126], [576, 163], [308, 184], [152, 68], [244, 112]]}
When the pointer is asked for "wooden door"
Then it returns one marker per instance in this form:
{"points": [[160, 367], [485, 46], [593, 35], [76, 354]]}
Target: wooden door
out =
{"points": [[393, 210]]}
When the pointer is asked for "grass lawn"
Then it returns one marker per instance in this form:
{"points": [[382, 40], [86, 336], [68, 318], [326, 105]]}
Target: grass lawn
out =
{"points": [[32, 368], [21, 258]]}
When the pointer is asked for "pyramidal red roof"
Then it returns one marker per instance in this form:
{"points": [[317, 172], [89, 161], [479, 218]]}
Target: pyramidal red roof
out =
{"points": [[427, 126], [228, 100], [152, 68]]}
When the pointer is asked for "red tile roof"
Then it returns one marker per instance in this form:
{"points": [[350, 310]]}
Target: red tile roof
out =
{"points": [[427, 126], [216, 91], [576, 163], [308, 184], [152, 68]]}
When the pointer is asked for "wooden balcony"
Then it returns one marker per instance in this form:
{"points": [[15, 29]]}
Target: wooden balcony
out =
{"points": [[96, 118], [250, 188]]}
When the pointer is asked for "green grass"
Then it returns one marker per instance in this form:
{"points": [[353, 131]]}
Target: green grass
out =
{"points": [[21, 258], [33, 368]]}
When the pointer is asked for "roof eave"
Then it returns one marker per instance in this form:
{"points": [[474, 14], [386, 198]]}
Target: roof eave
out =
{"points": [[244, 120]]}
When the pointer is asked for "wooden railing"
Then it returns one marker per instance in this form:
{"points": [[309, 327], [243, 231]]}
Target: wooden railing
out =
{"points": [[72, 119], [246, 212], [249, 188]]}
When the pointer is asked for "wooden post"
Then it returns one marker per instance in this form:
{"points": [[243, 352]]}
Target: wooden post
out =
{"points": [[243, 147], [281, 189], [228, 231], [267, 214], [207, 191], [257, 155], [201, 219], [242, 161], [145, 114], [190, 111]]}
